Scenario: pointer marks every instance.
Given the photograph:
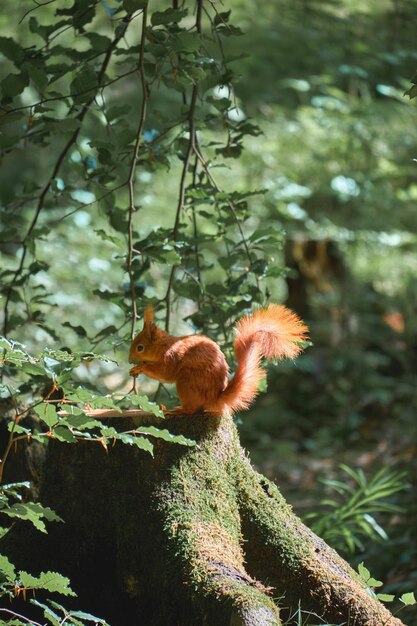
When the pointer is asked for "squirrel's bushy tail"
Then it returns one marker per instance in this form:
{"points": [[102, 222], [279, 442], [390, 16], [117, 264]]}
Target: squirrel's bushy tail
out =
{"points": [[271, 333]]}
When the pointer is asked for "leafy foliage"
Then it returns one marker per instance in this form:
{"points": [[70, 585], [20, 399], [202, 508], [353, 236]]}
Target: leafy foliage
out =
{"points": [[350, 515], [132, 170]]}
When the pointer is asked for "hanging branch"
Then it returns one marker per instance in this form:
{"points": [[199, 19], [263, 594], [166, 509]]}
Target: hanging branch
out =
{"points": [[132, 170], [230, 205], [195, 229], [41, 200], [191, 148]]}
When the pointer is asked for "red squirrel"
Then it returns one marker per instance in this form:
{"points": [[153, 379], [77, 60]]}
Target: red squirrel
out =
{"points": [[199, 368]]}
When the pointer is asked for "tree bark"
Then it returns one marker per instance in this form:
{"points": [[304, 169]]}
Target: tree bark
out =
{"points": [[193, 536]]}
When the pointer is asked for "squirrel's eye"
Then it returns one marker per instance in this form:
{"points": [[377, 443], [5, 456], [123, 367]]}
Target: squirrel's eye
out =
{"points": [[140, 348]]}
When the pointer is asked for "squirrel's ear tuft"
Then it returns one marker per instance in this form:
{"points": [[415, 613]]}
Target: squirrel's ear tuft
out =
{"points": [[148, 317], [153, 331]]}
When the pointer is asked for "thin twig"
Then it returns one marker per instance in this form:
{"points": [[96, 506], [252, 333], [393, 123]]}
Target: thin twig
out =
{"points": [[38, 6], [195, 228], [71, 95], [230, 204], [132, 170], [8, 447], [181, 196], [30, 621]]}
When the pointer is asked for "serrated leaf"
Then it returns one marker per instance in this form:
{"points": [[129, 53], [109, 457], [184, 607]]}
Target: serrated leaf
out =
{"points": [[32, 512], [7, 569], [51, 581], [146, 405], [186, 41], [130, 6], [17, 428], [12, 50], [364, 572], [83, 84], [37, 75], [166, 17], [47, 414], [48, 613], [34, 369], [91, 618], [166, 435], [11, 118], [14, 84], [82, 422], [64, 434], [99, 43], [68, 125], [133, 440]]}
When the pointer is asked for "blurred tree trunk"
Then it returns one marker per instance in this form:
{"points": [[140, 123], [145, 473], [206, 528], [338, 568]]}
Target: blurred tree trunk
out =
{"points": [[192, 536]]}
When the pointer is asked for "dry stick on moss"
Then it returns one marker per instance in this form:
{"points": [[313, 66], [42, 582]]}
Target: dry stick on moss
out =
{"points": [[132, 171], [54, 173]]}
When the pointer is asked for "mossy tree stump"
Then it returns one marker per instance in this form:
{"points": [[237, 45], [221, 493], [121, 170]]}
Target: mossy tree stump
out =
{"points": [[193, 536]]}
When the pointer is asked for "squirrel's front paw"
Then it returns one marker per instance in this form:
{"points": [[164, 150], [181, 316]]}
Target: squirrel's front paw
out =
{"points": [[135, 371]]}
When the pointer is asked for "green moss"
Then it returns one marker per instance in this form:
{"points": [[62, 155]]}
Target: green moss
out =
{"points": [[198, 500]]}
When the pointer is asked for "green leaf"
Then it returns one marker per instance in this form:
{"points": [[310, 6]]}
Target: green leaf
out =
{"points": [[130, 6], [32, 512], [79, 330], [68, 125], [12, 50], [33, 369], [99, 43], [64, 434], [83, 84], [81, 422], [364, 572], [408, 599], [133, 440], [186, 42], [165, 435], [385, 597], [51, 581], [168, 16], [18, 428], [47, 414], [222, 18], [87, 616], [188, 289], [7, 569], [11, 118], [37, 75], [48, 613], [146, 405], [14, 84]]}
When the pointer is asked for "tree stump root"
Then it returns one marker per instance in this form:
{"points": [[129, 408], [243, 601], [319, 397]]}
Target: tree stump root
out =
{"points": [[194, 536]]}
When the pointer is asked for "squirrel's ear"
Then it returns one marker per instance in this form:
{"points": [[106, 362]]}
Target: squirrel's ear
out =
{"points": [[148, 317], [153, 330]]}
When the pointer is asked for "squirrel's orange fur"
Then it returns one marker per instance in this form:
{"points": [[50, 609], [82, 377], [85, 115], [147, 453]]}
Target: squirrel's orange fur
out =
{"points": [[198, 367]]}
